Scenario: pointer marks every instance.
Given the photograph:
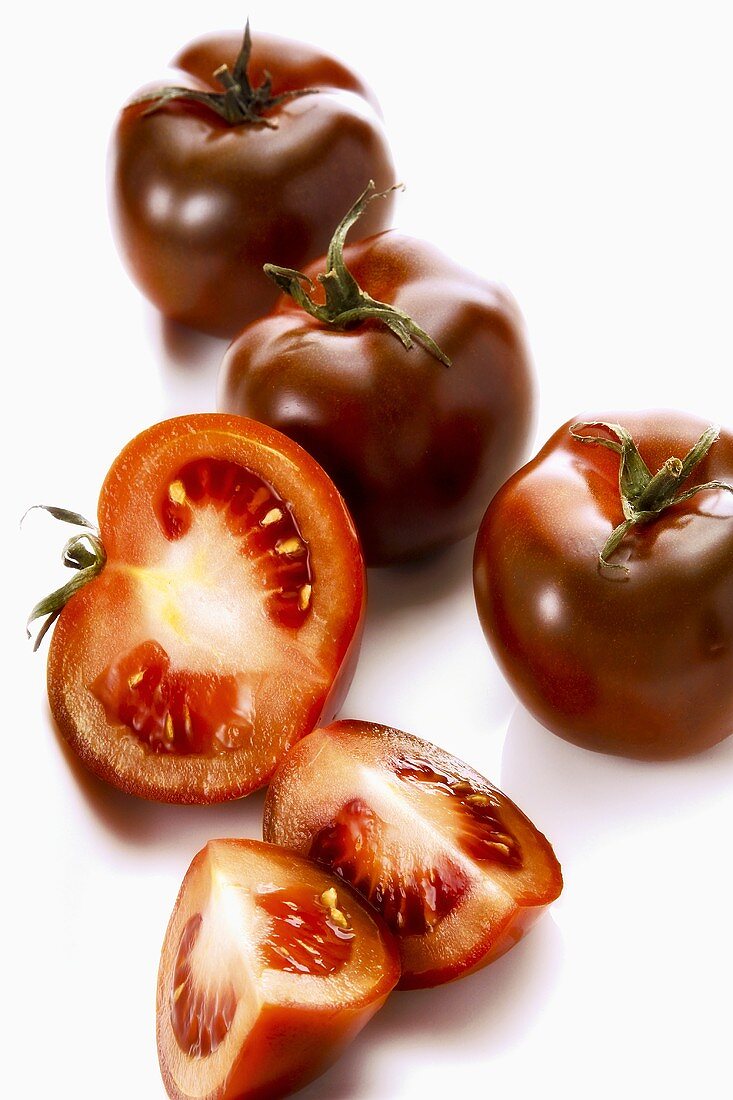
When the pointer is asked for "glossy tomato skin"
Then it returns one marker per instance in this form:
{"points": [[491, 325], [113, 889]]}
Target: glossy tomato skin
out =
{"points": [[120, 610], [455, 868], [636, 663], [415, 447], [294, 1030], [199, 206]]}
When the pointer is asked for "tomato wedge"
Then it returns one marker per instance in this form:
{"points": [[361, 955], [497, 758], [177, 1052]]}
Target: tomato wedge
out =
{"points": [[455, 868], [226, 620], [270, 967]]}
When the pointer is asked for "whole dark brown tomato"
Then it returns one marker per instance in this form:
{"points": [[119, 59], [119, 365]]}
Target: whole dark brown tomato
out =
{"points": [[604, 583], [417, 426], [249, 158]]}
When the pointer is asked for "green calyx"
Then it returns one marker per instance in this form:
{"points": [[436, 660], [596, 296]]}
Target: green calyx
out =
{"points": [[239, 103], [346, 303], [645, 496], [84, 553]]}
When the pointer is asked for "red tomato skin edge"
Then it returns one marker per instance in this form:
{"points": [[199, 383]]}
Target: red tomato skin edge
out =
{"points": [[60, 651], [514, 930]]}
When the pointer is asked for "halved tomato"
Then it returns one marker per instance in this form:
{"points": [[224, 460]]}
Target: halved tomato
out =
{"points": [[270, 967], [225, 622], [455, 868]]}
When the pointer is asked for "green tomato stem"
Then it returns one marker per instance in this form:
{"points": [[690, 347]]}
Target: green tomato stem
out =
{"points": [[239, 103], [645, 496], [346, 303], [84, 553]]}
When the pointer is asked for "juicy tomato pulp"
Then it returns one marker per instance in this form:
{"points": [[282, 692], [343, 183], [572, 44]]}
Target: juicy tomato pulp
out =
{"points": [[415, 899], [309, 934], [270, 966], [224, 618], [454, 867]]}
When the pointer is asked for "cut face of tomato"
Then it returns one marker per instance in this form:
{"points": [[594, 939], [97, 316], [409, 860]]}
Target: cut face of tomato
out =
{"points": [[309, 934], [454, 867], [225, 621], [270, 966]]}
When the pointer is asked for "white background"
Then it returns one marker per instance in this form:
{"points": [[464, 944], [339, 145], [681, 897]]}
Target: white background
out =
{"points": [[581, 153]]}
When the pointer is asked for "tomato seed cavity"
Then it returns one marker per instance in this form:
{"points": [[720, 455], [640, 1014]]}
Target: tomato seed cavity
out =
{"points": [[482, 832], [185, 713], [200, 1017], [412, 896], [176, 710], [308, 934], [413, 899]]}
